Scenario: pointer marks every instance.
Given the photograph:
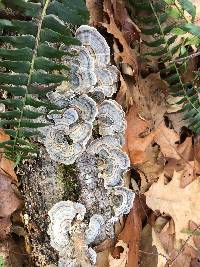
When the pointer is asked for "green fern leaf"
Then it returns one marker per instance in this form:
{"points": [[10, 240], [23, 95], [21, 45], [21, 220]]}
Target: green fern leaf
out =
{"points": [[31, 52]]}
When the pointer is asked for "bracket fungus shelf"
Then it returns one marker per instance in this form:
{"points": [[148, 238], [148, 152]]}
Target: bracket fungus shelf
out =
{"points": [[99, 158]]}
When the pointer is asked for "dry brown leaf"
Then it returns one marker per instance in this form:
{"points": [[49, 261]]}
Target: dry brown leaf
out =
{"points": [[194, 227], [127, 56], [131, 233], [148, 253], [124, 97], [188, 164], [95, 9], [141, 149], [150, 97], [189, 174], [177, 120], [6, 165], [162, 255], [123, 257], [168, 140], [118, 23], [177, 254], [136, 145], [172, 102], [166, 236], [151, 169], [124, 22], [9, 202], [103, 258], [182, 204]]}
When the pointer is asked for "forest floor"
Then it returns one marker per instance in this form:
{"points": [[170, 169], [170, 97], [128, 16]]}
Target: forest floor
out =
{"points": [[163, 227]]}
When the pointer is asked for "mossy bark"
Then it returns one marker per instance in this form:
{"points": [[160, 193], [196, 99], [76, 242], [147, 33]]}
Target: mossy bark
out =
{"points": [[45, 182]]}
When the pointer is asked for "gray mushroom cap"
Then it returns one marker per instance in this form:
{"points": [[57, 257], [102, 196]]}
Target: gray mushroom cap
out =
{"points": [[111, 118], [61, 216], [82, 81], [83, 59], [126, 198], [86, 106], [58, 146], [111, 160], [60, 99], [94, 228], [95, 43], [107, 78]]}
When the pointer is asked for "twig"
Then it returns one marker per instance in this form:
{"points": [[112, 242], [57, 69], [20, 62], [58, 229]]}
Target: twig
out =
{"points": [[183, 246], [185, 58], [154, 254]]}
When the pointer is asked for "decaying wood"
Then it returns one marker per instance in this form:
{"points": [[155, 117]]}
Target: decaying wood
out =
{"points": [[44, 183]]}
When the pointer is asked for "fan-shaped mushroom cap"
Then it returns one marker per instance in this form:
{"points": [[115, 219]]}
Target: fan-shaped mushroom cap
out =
{"points": [[83, 59], [126, 198], [94, 228], [112, 167], [69, 116], [107, 90], [111, 141], [66, 262], [82, 81], [82, 74], [61, 216], [60, 99], [86, 106], [111, 160], [107, 75], [106, 80], [95, 43], [59, 147], [111, 118], [66, 140], [81, 132]]}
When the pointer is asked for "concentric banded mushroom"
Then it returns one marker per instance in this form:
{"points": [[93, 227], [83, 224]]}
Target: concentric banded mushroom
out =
{"points": [[125, 197], [95, 44], [94, 228], [101, 162], [111, 118], [61, 216], [86, 106], [65, 144], [111, 160], [107, 78]]}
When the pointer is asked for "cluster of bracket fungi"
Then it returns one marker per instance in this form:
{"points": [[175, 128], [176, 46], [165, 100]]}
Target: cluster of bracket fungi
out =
{"points": [[89, 132]]}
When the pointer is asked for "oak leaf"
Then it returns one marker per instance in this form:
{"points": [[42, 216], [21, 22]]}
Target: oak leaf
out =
{"points": [[136, 145], [150, 97], [128, 55], [168, 140], [6, 165], [182, 204], [9, 202]]}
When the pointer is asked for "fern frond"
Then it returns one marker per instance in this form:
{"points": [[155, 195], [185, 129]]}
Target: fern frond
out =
{"points": [[190, 97], [31, 57], [170, 42]]}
